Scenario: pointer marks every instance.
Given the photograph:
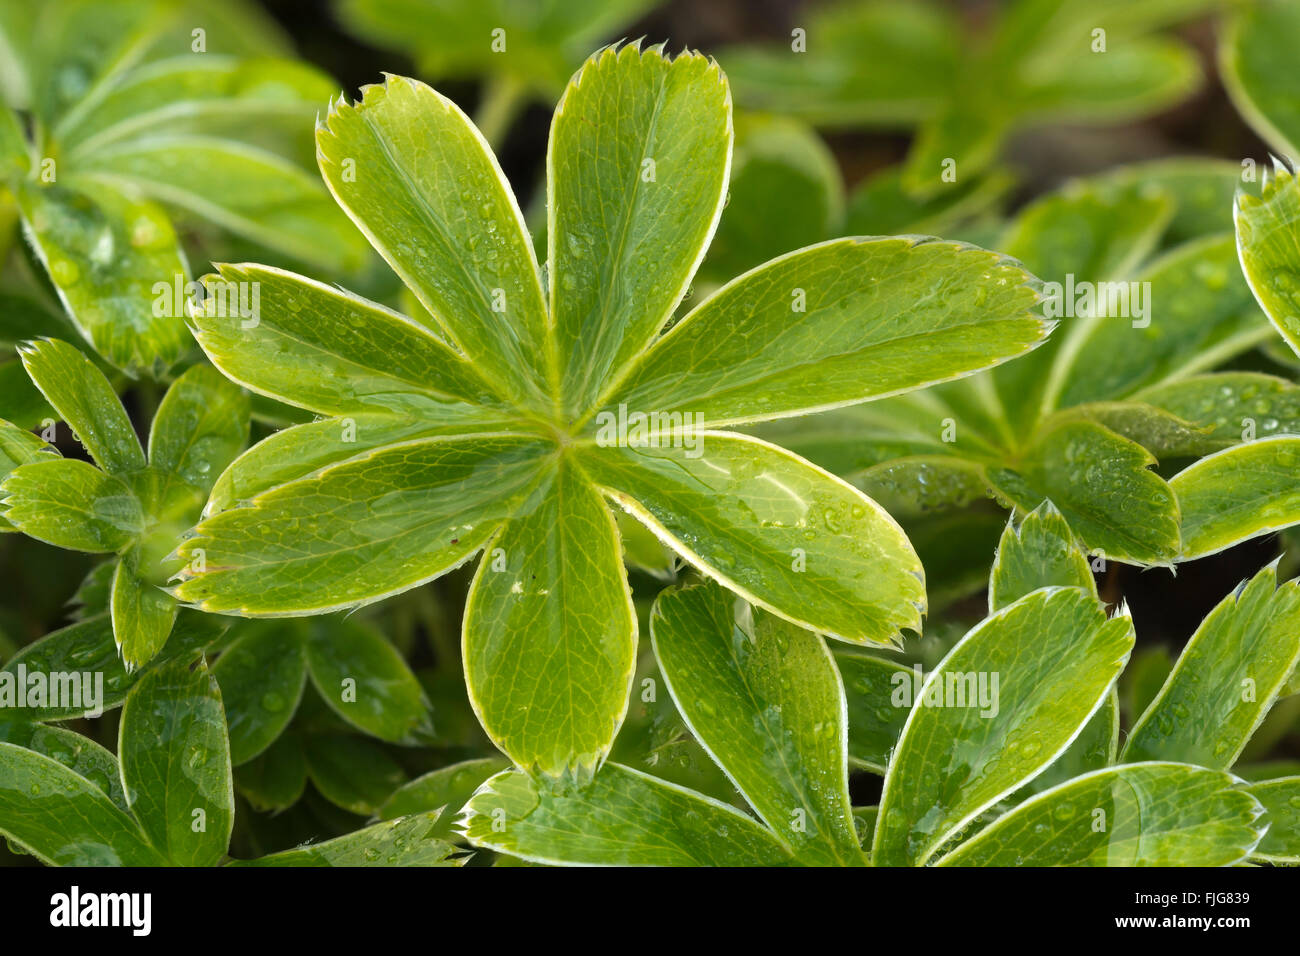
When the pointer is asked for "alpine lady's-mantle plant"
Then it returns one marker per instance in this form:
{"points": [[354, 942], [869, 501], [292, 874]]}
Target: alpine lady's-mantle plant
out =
{"points": [[480, 432], [133, 506]]}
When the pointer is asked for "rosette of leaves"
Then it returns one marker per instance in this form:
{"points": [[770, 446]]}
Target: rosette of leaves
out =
{"points": [[128, 504], [496, 427], [166, 798], [1029, 774], [906, 64], [115, 119], [525, 50], [1082, 421]]}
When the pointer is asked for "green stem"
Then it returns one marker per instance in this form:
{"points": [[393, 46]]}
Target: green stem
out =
{"points": [[503, 98]]}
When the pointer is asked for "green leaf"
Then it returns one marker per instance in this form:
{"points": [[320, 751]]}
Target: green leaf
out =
{"points": [[78, 753], [550, 632], [366, 682], [408, 841], [196, 94], [1281, 800], [323, 349], [1266, 244], [352, 772], [1237, 494], [765, 700], [1096, 746], [88, 647], [104, 252], [19, 447], [275, 779], [64, 819], [247, 190], [1226, 679], [199, 428], [143, 614], [1039, 553], [1151, 814], [82, 396], [622, 818], [926, 311], [14, 157], [1102, 484], [445, 789], [1233, 407], [879, 695], [301, 450], [637, 167], [447, 223], [396, 517], [176, 763], [778, 531], [261, 675], [1197, 311], [1255, 47], [1055, 656], [70, 504]]}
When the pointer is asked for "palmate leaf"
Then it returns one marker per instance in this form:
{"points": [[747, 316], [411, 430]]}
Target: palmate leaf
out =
{"points": [[765, 700], [135, 507], [1225, 408], [352, 773], [445, 789], [1225, 680], [277, 778], [478, 427], [175, 756], [1055, 655], [623, 817], [879, 696], [1147, 814]]}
